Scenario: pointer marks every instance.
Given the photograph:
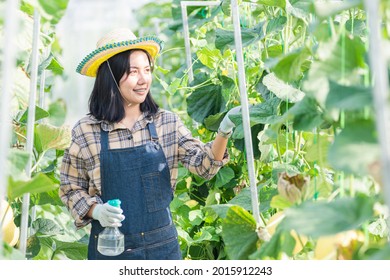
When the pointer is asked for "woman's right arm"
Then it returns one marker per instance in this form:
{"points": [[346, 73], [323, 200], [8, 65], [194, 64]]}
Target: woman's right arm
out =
{"points": [[75, 184]]}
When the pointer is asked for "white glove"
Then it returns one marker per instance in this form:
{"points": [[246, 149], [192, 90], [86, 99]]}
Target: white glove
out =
{"points": [[107, 215], [226, 126]]}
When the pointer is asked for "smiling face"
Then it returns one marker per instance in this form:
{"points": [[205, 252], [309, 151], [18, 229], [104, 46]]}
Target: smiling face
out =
{"points": [[135, 85]]}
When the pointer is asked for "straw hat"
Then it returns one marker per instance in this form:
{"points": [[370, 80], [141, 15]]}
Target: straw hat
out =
{"points": [[118, 40]]}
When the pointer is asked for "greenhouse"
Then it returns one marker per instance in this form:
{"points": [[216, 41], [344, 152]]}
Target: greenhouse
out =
{"points": [[302, 85]]}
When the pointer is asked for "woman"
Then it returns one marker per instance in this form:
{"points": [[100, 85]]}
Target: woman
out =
{"points": [[128, 148]]}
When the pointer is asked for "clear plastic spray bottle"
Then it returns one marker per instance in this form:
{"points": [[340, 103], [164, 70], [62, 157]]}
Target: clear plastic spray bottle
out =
{"points": [[111, 241]]}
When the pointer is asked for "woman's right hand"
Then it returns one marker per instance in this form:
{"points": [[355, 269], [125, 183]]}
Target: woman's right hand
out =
{"points": [[107, 215]]}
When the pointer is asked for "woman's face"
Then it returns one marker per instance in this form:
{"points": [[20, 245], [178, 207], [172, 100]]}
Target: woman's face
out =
{"points": [[136, 85]]}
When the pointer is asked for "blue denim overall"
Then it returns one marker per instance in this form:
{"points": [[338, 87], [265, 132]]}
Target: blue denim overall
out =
{"points": [[140, 178]]}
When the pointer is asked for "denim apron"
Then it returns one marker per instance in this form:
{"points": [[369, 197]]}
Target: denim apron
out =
{"points": [[140, 178]]}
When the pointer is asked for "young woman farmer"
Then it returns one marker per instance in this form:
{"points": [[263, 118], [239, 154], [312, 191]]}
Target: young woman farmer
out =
{"points": [[128, 148]]}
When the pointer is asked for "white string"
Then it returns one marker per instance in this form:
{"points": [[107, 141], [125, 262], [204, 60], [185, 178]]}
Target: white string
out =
{"points": [[112, 75]]}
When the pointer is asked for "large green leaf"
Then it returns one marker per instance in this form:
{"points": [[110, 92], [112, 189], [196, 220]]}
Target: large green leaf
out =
{"points": [[205, 101], [276, 24], [73, 250], [326, 9], [316, 147], [239, 233], [239, 140], [265, 112], [355, 147], [299, 8], [51, 137], [52, 247], [224, 175], [291, 66], [338, 59], [225, 38], [39, 114], [281, 89], [39, 183], [54, 9], [265, 195], [57, 111], [46, 227], [281, 241], [320, 218], [209, 57], [306, 114], [348, 97], [276, 3], [17, 162]]}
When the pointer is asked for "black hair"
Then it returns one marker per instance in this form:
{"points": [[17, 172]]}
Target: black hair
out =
{"points": [[106, 102]]}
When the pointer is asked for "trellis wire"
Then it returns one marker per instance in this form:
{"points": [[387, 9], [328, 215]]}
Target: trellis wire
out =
{"points": [[380, 91], [30, 130], [8, 74]]}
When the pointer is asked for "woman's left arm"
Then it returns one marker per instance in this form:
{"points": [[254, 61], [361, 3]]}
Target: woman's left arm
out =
{"points": [[219, 147]]}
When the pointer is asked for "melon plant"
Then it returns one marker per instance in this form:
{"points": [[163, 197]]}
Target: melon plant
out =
{"points": [[312, 115]]}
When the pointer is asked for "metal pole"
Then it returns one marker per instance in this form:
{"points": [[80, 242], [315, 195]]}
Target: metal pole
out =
{"points": [[30, 129], [245, 113], [184, 5], [381, 91], [8, 74], [157, 30]]}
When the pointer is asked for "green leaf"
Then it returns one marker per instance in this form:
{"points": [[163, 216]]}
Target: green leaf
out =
{"points": [[281, 241], [73, 250], [239, 233], [212, 122], [382, 254], [299, 8], [55, 66], [209, 57], [50, 197], [276, 24], [239, 141], [51, 137], [280, 202], [320, 218], [17, 162], [273, 3], [205, 101], [195, 217], [54, 9], [265, 195], [46, 227], [224, 176], [265, 112], [290, 66], [57, 111], [219, 209], [348, 97], [39, 183], [282, 90], [338, 59], [201, 236], [356, 27], [39, 114], [326, 9], [33, 246], [355, 147], [306, 114], [225, 38], [317, 147]]}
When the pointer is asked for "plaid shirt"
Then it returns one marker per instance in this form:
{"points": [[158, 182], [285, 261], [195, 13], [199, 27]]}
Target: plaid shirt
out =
{"points": [[80, 171]]}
